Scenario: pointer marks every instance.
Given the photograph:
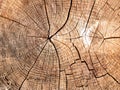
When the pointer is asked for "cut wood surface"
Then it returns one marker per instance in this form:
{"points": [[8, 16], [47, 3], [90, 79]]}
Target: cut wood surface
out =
{"points": [[59, 44]]}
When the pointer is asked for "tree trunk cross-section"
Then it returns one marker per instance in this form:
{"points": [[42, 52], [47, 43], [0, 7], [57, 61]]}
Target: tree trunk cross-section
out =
{"points": [[59, 44]]}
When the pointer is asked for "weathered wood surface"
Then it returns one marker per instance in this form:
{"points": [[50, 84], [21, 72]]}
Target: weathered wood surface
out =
{"points": [[59, 44]]}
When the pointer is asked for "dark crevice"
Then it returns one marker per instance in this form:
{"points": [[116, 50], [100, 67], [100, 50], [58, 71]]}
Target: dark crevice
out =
{"points": [[36, 10], [111, 38], [32, 67], [85, 64], [70, 30], [33, 20], [77, 51], [58, 61], [106, 70], [89, 16], [49, 38], [70, 38], [65, 21], [66, 79], [102, 7], [116, 29], [73, 63], [110, 6], [14, 21], [113, 78], [94, 35], [64, 45], [47, 18], [93, 70], [66, 82], [29, 50], [40, 15], [44, 37]]}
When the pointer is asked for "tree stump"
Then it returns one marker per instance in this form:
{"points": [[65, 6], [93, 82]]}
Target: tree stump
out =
{"points": [[59, 44]]}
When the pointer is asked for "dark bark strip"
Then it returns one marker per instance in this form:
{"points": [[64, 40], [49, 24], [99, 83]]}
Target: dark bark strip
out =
{"points": [[58, 62], [65, 21], [32, 67]]}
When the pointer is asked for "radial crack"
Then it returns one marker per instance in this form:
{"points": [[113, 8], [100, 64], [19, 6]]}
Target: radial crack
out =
{"points": [[14, 21], [111, 38], [31, 67], [47, 18], [77, 51], [58, 62], [65, 21], [106, 70], [89, 16]]}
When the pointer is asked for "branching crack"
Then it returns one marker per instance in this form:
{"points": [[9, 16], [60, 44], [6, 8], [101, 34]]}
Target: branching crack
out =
{"points": [[106, 70], [93, 66], [65, 21]]}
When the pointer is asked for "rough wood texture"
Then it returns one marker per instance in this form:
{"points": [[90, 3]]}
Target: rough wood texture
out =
{"points": [[59, 44]]}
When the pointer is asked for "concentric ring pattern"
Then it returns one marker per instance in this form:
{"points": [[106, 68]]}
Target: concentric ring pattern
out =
{"points": [[59, 44]]}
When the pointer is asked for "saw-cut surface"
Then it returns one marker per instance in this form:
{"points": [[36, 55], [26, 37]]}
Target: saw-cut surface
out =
{"points": [[59, 44]]}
